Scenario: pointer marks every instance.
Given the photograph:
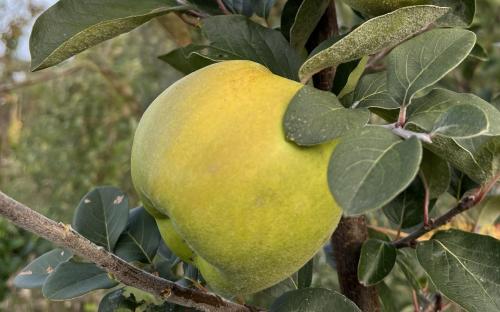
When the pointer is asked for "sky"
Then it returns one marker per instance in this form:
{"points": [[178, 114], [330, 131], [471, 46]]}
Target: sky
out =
{"points": [[13, 9]]}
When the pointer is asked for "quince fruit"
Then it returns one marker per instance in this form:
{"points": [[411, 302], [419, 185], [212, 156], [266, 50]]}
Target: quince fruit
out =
{"points": [[230, 195]]}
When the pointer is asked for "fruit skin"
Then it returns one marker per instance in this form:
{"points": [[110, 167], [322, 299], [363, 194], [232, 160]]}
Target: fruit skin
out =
{"points": [[379, 7], [229, 193]]}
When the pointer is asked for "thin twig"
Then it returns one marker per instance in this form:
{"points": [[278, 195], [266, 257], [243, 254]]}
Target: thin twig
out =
{"points": [[426, 198], [223, 7], [42, 77], [416, 305], [463, 205], [63, 235]]}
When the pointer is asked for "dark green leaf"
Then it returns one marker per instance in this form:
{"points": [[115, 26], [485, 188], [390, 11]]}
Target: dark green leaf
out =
{"points": [[188, 59], [465, 267], [370, 167], [386, 298], [314, 117], [35, 273], [267, 296], [372, 36], [306, 274], [141, 239], [477, 157], [313, 300], [246, 40], [441, 107], [461, 121], [479, 53], [462, 13], [102, 216], [288, 16], [407, 209], [372, 233], [342, 75], [115, 302], [72, 26], [73, 279], [436, 173], [376, 261], [425, 59], [413, 272], [371, 91], [306, 19]]}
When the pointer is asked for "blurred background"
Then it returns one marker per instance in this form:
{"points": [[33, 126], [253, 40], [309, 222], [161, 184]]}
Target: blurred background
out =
{"points": [[67, 129]]}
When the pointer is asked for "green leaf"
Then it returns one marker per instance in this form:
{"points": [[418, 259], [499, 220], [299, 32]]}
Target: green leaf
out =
{"points": [[415, 275], [72, 26], [490, 211], [354, 77], [306, 19], [305, 275], [73, 279], [114, 301], [436, 172], [461, 15], [141, 239], [425, 59], [314, 117], [35, 273], [102, 215], [376, 261], [386, 298], [407, 209], [342, 74], [372, 36], [477, 157], [439, 107], [495, 101], [191, 58], [479, 52], [464, 267], [246, 40], [461, 121], [370, 167], [288, 16], [313, 300], [371, 91]]}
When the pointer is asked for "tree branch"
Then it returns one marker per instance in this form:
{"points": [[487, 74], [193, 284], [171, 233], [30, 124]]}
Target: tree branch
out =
{"points": [[463, 205], [64, 236], [42, 77]]}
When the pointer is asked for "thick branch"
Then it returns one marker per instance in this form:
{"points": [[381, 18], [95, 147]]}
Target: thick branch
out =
{"points": [[463, 205], [64, 236]]}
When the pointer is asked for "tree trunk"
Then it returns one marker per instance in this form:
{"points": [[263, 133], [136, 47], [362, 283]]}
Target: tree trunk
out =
{"points": [[352, 231]]}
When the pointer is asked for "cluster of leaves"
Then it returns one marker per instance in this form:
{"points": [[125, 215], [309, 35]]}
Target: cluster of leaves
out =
{"points": [[103, 216], [402, 139]]}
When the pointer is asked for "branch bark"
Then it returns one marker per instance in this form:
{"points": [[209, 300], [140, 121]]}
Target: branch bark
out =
{"points": [[64, 236], [463, 205], [351, 232]]}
